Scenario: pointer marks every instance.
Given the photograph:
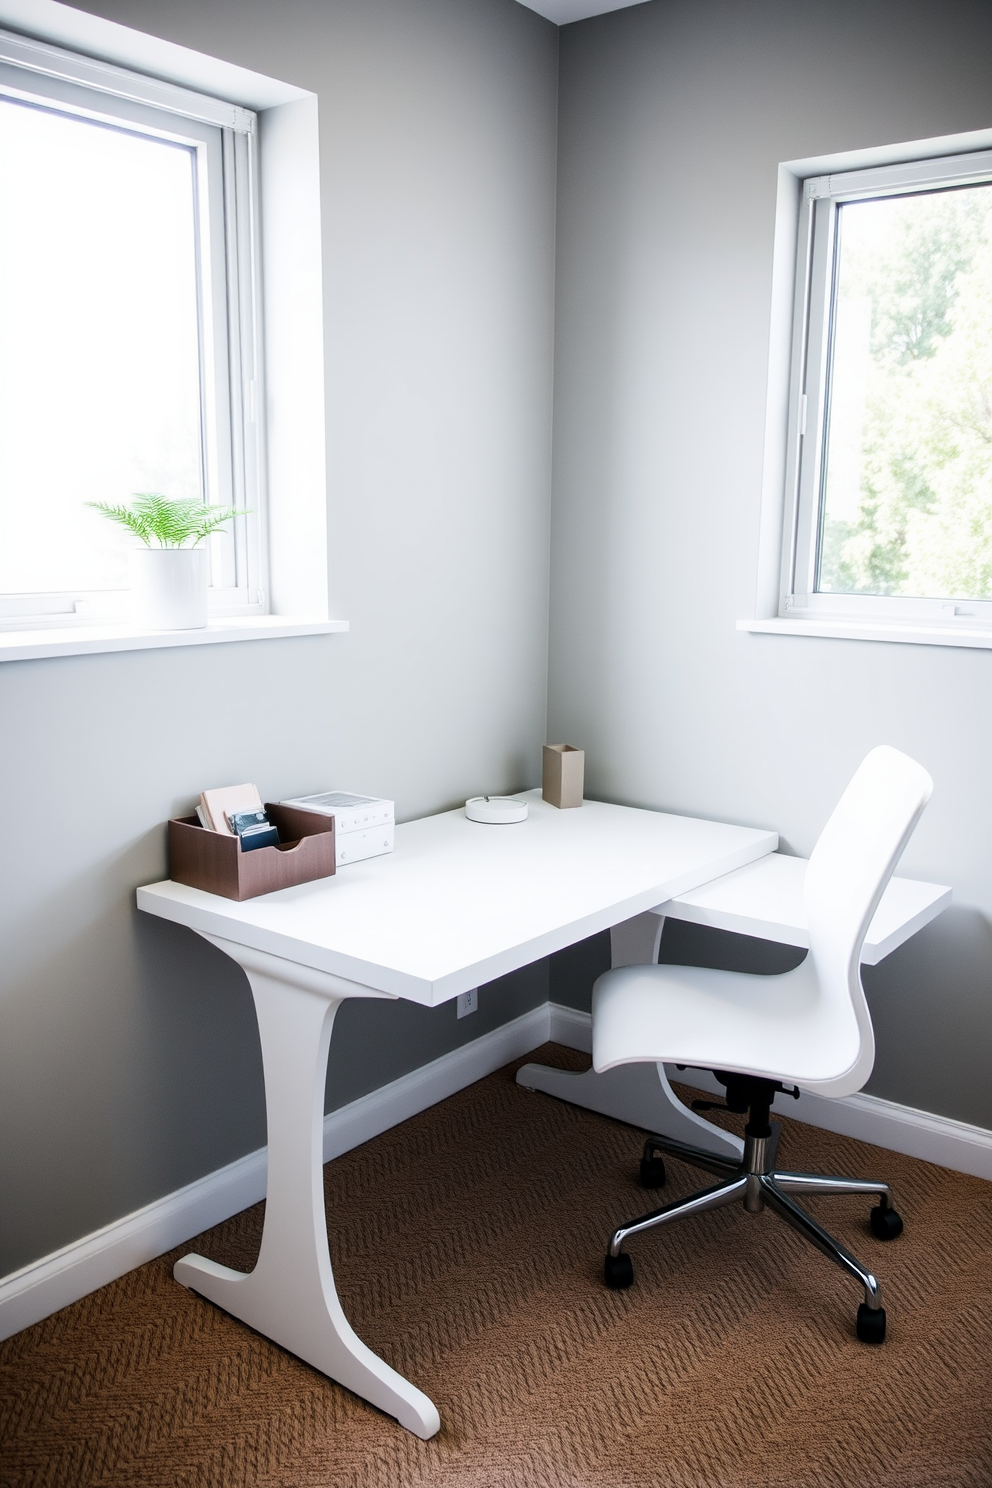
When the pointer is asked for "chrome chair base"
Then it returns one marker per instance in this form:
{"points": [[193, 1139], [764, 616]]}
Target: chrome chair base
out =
{"points": [[758, 1184]]}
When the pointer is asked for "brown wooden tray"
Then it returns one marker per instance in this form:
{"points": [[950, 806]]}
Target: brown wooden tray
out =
{"points": [[214, 861]]}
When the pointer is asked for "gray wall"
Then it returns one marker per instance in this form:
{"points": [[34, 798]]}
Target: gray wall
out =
{"points": [[128, 1055], [673, 117], [129, 1060]]}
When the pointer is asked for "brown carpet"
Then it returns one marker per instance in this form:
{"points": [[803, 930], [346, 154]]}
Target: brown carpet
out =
{"points": [[467, 1245]]}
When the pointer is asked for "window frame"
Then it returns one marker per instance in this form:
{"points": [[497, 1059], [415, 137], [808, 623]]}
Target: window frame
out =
{"points": [[820, 195], [224, 139]]}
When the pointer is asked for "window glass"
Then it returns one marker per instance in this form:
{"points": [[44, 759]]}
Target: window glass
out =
{"points": [[100, 357], [906, 488]]}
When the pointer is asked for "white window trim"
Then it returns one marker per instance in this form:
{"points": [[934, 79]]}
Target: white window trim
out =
{"points": [[24, 645], [117, 82], [781, 546], [222, 137], [867, 630], [291, 282]]}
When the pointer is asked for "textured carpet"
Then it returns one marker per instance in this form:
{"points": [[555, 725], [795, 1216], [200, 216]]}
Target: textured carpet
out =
{"points": [[468, 1245]]}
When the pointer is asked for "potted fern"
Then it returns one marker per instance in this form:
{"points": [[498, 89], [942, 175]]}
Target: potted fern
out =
{"points": [[169, 574]]}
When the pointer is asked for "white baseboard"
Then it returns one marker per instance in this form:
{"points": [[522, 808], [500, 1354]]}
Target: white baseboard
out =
{"points": [[570, 1027], [44, 1286], [936, 1139], [400, 1099]]}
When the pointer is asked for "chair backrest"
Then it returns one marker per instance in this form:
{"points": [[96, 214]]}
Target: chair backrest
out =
{"points": [[848, 870]]}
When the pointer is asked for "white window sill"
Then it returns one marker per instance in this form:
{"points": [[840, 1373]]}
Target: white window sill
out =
{"points": [[30, 645], [920, 633]]}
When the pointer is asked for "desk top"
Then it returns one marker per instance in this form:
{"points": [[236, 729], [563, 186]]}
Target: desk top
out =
{"points": [[765, 899], [459, 903]]}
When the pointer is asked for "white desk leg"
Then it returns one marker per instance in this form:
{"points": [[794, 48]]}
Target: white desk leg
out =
{"points": [[290, 1296], [636, 1093]]}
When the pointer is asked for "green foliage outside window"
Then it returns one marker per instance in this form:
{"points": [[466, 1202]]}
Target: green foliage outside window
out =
{"points": [[908, 492]]}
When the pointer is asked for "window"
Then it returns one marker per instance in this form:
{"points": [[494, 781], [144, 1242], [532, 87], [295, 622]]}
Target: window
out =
{"points": [[890, 443], [129, 340]]}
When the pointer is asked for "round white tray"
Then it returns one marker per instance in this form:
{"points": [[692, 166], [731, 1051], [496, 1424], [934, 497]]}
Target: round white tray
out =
{"points": [[495, 809]]}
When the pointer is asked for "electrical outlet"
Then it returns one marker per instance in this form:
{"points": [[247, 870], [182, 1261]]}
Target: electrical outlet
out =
{"points": [[468, 1002]]}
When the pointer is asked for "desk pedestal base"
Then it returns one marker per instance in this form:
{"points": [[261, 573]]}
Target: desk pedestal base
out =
{"points": [[290, 1296], [638, 1094]]}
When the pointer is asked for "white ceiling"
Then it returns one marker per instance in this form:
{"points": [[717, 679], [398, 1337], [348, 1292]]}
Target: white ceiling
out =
{"points": [[563, 11]]}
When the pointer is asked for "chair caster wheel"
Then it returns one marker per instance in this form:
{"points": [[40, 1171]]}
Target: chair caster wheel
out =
{"points": [[886, 1224], [618, 1271], [871, 1324], [652, 1172]]}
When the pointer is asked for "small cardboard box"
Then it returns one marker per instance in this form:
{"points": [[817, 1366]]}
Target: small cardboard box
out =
{"points": [[214, 860], [564, 768]]}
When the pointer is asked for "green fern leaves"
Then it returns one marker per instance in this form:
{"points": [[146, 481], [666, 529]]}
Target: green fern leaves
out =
{"points": [[171, 523]]}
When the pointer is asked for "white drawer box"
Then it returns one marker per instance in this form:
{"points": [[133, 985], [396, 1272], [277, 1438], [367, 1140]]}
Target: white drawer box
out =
{"points": [[352, 847]]}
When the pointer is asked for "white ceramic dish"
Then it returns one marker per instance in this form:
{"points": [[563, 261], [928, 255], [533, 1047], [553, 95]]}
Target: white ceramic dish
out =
{"points": [[495, 809]]}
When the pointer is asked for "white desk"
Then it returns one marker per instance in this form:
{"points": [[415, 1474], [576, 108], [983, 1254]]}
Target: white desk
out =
{"points": [[455, 905]]}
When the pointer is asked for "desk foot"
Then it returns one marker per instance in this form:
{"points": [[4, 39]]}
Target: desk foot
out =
{"points": [[315, 1329], [638, 1094]]}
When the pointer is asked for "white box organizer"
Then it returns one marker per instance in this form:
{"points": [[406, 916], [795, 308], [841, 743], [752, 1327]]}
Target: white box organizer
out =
{"points": [[363, 825]]}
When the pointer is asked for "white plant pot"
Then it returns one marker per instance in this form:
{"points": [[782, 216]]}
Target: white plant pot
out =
{"points": [[169, 587]]}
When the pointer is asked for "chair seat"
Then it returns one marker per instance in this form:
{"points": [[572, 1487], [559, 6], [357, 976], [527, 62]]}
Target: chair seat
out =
{"points": [[778, 1027]]}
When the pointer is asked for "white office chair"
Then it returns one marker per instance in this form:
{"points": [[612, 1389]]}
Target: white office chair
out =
{"points": [[809, 1027]]}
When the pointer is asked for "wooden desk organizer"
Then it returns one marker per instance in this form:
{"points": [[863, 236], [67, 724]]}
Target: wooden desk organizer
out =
{"points": [[214, 861]]}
